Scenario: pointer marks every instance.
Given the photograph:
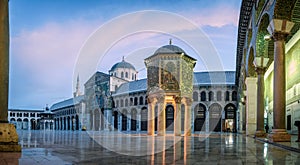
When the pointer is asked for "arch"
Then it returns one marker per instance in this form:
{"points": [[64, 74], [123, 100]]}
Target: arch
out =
{"points": [[131, 101], [13, 121], [141, 100], [126, 102], [215, 115], [68, 123], [169, 118], [195, 96], [122, 74], [126, 74], [25, 123], [19, 123], [144, 119], [234, 96], [135, 101], [203, 96], [200, 115], [116, 118], [219, 96], [261, 43], [122, 103], [227, 96], [132, 76], [211, 96], [124, 120], [230, 117], [133, 119], [250, 69]]}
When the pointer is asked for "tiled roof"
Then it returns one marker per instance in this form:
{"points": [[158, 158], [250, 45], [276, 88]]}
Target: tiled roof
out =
{"points": [[67, 103], [200, 78], [133, 86], [214, 78]]}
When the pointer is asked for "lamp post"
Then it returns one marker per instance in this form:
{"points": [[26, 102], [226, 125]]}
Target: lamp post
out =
{"points": [[260, 64]]}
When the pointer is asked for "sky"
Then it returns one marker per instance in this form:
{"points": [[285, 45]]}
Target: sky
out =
{"points": [[48, 39]]}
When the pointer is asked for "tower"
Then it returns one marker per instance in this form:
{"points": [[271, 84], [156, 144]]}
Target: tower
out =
{"points": [[77, 91]]}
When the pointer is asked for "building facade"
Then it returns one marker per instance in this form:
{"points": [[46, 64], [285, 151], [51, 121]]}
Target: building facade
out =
{"points": [[120, 101], [267, 67]]}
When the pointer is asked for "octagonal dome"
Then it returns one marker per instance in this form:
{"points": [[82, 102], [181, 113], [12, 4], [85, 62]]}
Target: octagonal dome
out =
{"points": [[169, 49]]}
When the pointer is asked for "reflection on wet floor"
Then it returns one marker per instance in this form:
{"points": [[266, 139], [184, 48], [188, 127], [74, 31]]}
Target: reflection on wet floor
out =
{"points": [[63, 147]]}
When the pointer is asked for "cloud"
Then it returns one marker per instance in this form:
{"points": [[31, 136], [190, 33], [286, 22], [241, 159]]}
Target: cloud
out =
{"points": [[42, 61], [217, 16]]}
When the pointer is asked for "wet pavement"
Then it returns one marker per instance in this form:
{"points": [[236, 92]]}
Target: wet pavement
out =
{"points": [[76, 147]]}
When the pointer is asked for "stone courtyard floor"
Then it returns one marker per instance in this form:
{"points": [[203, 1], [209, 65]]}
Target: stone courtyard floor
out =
{"points": [[77, 147]]}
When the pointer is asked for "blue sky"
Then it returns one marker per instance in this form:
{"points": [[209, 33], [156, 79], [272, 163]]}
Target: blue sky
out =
{"points": [[47, 36]]}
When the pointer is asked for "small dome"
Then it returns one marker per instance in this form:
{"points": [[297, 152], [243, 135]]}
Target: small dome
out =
{"points": [[169, 49], [122, 64]]}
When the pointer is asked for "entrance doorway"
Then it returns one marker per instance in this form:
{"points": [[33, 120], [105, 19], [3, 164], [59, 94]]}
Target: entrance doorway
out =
{"points": [[199, 113], [169, 118], [215, 117]]}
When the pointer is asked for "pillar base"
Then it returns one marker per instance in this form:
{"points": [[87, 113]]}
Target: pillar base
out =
{"points": [[8, 138], [260, 134], [279, 135]]}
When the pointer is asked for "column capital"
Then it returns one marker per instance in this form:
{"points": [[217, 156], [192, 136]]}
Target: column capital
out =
{"points": [[187, 101], [177, 99], [280, 29], [260, 70]]}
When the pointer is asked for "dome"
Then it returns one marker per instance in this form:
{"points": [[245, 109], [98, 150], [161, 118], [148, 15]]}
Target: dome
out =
{"points": [[122, 64], [169, 49]]}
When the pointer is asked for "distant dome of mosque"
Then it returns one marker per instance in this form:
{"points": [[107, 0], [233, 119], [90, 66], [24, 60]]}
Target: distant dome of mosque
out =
{"points": [[122, 64], [169, 49]]}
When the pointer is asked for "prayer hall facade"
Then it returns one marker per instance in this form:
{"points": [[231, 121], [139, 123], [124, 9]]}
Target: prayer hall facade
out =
{"points": [[173, 99]]}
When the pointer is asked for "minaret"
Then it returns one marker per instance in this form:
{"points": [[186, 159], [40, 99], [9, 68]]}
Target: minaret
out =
{"points": [[77, 92]]}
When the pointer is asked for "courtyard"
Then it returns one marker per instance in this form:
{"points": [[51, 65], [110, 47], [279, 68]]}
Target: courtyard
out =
{"points": [[94, 147]]}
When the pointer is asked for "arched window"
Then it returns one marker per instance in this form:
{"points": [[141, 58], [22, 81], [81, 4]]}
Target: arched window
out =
{"points": [[135, 101], [132, 77], [226, 96], [115, 74], [211, 96], [195, 96], [122, 74], [203, 96], [126, 74], [126, 102], [141, 100], [131, 101], [122, 103], [146, 100], [234, 96], [219, 96]]}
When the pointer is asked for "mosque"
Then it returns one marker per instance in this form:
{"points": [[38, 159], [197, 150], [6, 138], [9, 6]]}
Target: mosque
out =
{"points": [[172, 99]]}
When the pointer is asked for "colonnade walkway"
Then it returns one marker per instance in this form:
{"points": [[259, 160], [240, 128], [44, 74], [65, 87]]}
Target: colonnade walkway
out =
{"points": [[94, 147]]}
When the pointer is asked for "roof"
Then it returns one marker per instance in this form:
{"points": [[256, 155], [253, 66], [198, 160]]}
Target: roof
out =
{"points": [[200, 78], [169, 49], [27, 110], [214, 78], [67, 103], [122, 64], [133, 86]]}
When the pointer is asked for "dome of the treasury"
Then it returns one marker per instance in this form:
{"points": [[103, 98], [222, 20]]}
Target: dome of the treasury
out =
{"points": [[122, 64], [169, 49]]}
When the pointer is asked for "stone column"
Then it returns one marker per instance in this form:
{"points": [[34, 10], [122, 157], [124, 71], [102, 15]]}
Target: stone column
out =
{"points": [[161, 120], [260, 103], [177, 116], [187, 116], [251, 105], [120, 122], [279, 29], [8, 134], [129, 121], [138, 122], [151, 115]]}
